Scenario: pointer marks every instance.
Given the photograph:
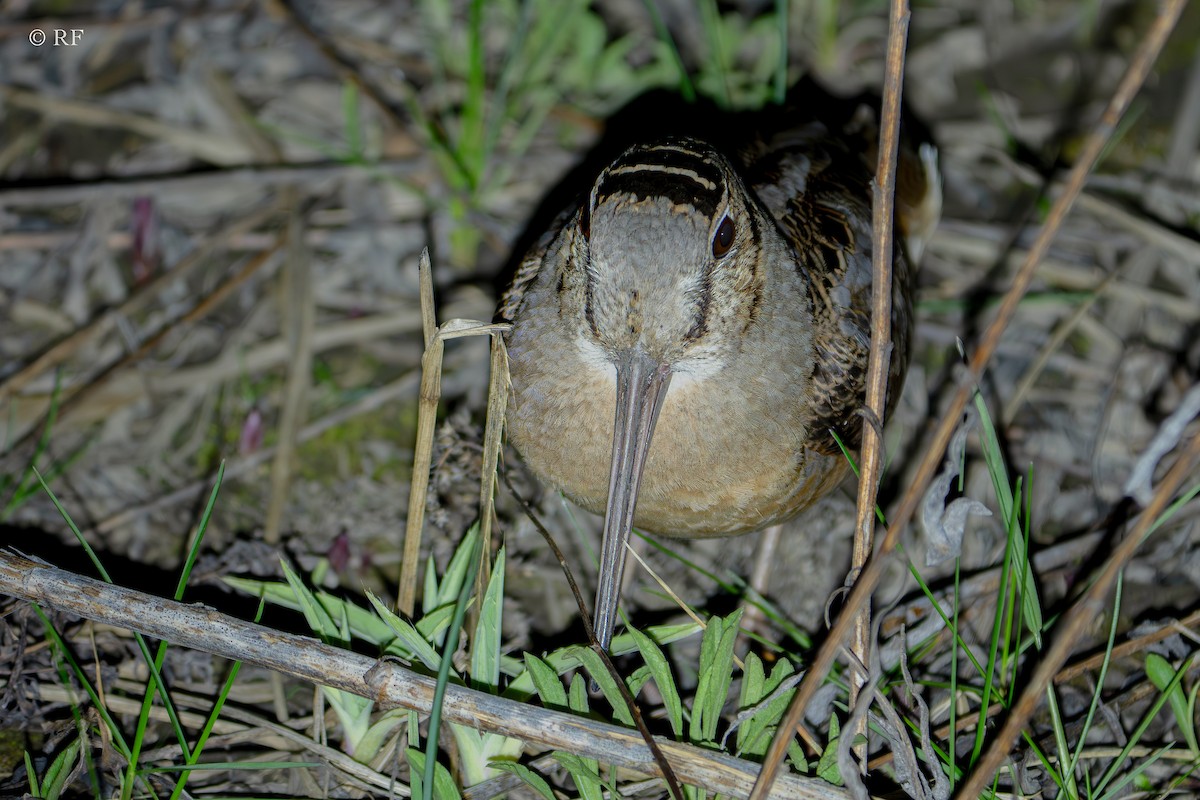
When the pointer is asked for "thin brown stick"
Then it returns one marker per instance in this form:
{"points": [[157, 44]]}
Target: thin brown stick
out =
{"points": [[207, 145], [386, 682], [251, 177], [1134, 77], [1081, 615], [343, 65], [1138, 644], [882, 227]]}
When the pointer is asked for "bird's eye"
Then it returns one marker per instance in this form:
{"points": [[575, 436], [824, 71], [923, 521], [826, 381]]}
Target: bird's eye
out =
{"points": [[723, 240]]}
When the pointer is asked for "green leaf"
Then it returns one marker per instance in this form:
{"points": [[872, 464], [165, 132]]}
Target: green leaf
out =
{"points": [[531, 778], [585, 773], [354, 713], [827, 766], [566, 658], [378, 734], [443, 784], [57, 773], [754, 734], [477, 752], [485, 649], [716, 675], [1162, 675], [638, 679], [549, 686], [608, 687], [577, 696], [409, 642], [363, 624], [660, 669]]}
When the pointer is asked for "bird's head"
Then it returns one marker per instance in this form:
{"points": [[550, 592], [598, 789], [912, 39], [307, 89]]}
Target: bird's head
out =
{"points": [[667, 254]]}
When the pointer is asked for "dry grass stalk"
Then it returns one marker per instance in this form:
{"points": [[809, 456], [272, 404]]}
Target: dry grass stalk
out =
{"points": [[431, 382], [299, 319]]}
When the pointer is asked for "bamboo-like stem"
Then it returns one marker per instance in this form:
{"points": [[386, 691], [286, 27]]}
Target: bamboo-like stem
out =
{"points": [[431, 392]]}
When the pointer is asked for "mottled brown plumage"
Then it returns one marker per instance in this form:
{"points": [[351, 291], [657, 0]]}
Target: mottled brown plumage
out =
{"points": [[716, 304]]}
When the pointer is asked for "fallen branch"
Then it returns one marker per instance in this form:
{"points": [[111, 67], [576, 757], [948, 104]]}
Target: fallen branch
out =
{"points": [[386, 682]]}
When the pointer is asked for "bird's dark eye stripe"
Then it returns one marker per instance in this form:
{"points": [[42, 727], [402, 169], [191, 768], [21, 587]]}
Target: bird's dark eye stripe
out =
{"points": [[673, 157], [678, 188], [669, 170]]}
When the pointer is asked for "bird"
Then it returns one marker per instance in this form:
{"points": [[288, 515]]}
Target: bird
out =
{"points": [[689, 338]]}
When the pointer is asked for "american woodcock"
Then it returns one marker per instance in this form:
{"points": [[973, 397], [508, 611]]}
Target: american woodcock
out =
{"points": [[688, 338]]}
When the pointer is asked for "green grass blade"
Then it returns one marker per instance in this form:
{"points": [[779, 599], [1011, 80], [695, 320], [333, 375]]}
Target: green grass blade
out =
{"points": [[1118, 763], [779, 87], [150, 660], [710, 20], [25, 485], [118, 741], [471, 122], [686, 88], [411, 643], [1108, 648], [161, 653], [993, 456], [1070, 787], [443, 676], [35, 788]]}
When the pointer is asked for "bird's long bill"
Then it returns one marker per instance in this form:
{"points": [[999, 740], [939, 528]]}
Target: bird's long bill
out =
{"points": [[641, 386]]}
